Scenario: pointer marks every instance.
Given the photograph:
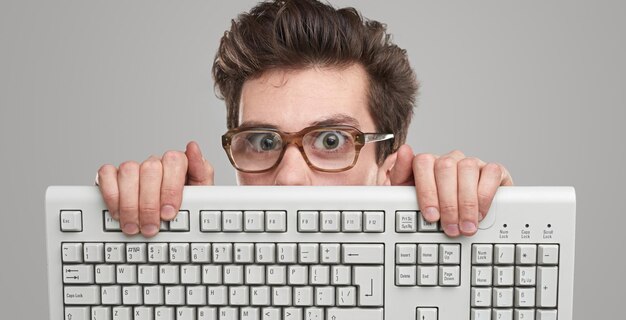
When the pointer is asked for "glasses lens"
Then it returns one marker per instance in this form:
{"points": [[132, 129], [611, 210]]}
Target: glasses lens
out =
{"points": [[255, 150], [330, 149]]}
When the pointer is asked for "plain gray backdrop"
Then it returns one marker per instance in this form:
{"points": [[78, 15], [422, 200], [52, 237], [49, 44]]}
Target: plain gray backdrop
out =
{"points": [[536, 85]]}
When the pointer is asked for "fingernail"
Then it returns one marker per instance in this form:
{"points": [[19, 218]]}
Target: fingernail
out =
{"points": [[130, 228], [149, 230], [431, 214], [468, 227], [168, 212], [452, 229]]}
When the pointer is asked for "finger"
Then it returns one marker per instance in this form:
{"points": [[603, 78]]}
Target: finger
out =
{"points": [[107, 182], [402, 171], [174, 172], [468, 175], [446, 180], [200, 171], [128, 181], [492, 175], [150, 176], [426, 186]]}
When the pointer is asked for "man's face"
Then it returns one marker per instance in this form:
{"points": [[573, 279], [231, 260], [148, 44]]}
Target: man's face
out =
{"points": [[290, 100]]}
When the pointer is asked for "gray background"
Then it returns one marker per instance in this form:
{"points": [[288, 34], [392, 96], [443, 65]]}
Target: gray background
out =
{"points": [[535, 85]]}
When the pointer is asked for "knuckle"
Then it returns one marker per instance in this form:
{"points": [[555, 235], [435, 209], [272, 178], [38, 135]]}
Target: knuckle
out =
{"points": [[129, 167], [173, 156], [170, 193], [493, 168], [151, 165], [423, 159], [106, 170], [458, 153], [128, 209], [111, 197], [469, 205], [448, 209], [445, 163], [149, 209], [468, 163]]}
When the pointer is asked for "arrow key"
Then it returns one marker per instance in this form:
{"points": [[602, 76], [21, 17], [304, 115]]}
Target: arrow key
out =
{"points": [[426, 314]]}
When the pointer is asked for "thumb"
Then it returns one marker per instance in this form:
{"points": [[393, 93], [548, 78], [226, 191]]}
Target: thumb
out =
{"points": [[402, 172], [199, 171]]}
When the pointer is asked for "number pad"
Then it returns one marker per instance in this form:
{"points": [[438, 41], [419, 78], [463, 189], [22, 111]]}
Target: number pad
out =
{"points": [[522, 280]]}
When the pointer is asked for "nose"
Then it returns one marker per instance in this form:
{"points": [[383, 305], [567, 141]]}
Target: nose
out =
{"points": [[293, 169]]}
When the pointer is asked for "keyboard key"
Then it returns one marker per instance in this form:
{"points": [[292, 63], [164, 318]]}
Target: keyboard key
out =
{"points": [[179, 252], [340, 275], [232, 221], [502, 314], [504, 253], [545, 315], [71, 220], [233, 274], [482, 254], [524, 276], [169, 274], [136, 253], [72, 252], [297, 275], [122, 313], [425, 226], [450, 253], [427, 275], [352, 221], [158, 253], [308, 253], [276, 221], [212, 274], [100, 313], [405, 276], [481, 297], [164, 313], [265, 252], [238, 296], [111, 295], [254, 274], [105, 274], [406, 253], [547, 281], [449, 275], [503, 276], [524, 297], [78, 274], [153, 295], [331, 221], [217, 295], [254, 221], [110, 224], [427, 253], [244, 252], [324, 296], [200, 252], [330, 253], [374, 221], [281, 296], [126, 274], [526, 254], [77, 313], [287, 252], [481, 276], [222, 252], [427, 314], [406, 221], [114, 253], [346, 296], [190, 274], [354, 313], [308, 221], [303, 296], [363, 254], [548, 254], [132, 295], [480, 314], [319, 275], [93, 252], [503, 297], [180, 222], [260, 296], [175, 295], [210, 221], [369, 280], [276, 275], [81, 295], [524, 314]]}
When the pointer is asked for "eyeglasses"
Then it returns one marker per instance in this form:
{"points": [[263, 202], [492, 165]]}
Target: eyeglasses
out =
{"points": [[324, 148]]}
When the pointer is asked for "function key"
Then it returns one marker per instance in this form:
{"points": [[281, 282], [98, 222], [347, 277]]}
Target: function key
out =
{"points": [[374, 221], [331, 221], [276, 221], [71, 220], [210, 221], [180, 222], [406, 221], [110, 224], [254, 221], [352, 221], [232, 221], [308, 221]]}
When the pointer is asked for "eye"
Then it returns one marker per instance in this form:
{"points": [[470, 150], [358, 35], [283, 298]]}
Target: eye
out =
{"points": [[329, 140], [264, 141]]}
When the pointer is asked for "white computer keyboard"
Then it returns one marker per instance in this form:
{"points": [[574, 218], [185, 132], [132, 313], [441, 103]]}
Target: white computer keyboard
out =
{"points": [[312, 253]]}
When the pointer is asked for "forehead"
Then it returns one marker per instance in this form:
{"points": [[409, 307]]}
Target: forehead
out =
{"points": [[293, 99]]}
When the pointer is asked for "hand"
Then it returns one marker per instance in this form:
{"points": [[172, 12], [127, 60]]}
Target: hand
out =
{"points": [[453, 188], [140, 195]]}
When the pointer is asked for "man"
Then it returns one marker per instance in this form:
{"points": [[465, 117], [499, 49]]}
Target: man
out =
{"points": [[314, 96]]}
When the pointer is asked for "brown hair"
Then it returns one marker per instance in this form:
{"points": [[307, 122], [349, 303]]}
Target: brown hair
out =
{"points": [[307, 33]]}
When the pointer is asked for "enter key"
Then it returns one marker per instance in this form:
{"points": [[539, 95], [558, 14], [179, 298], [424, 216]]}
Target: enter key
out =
{"points": [[369, 280]]}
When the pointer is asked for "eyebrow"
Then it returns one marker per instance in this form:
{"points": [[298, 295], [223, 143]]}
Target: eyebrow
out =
{"points": [[335, 119]]}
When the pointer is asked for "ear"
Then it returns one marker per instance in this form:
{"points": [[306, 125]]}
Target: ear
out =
{"points": [[383, 177]]}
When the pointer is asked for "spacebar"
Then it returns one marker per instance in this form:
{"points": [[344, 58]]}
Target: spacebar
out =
{"points": [[354, 313]]}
